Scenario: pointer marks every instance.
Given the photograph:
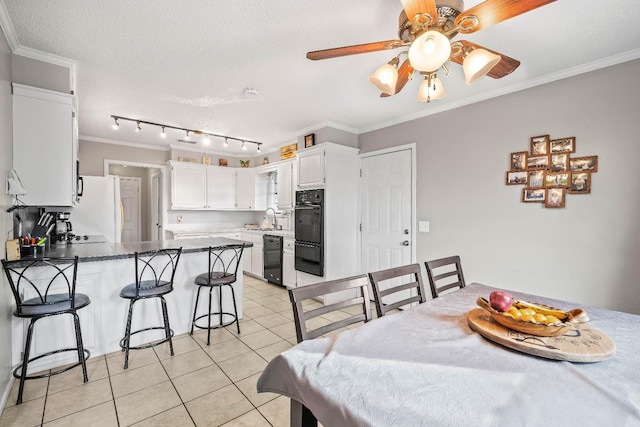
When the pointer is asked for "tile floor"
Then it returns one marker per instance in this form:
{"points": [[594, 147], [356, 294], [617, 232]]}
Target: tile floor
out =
{"points": [[200, 385]]}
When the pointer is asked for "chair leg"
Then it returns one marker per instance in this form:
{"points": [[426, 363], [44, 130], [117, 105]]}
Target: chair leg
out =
{"points": [[167, 327], [79, 344], [235, 307], [195, 310], [209, 318], [127, 335], [220, 303], [25, 360]]}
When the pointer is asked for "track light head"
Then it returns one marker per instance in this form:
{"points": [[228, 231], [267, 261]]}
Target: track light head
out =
{"points": [[163, 134], [115, 124], [138, 128]]}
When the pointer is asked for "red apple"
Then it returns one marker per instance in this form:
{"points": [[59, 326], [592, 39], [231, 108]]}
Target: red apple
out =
{"points": [[501, 300]]}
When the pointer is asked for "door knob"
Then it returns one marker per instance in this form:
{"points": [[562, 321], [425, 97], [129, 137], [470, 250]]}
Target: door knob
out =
{"points": [[405, 243], [406, 231]]}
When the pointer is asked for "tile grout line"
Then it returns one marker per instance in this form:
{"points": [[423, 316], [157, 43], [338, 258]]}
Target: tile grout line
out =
{"points": [[113, 396]]}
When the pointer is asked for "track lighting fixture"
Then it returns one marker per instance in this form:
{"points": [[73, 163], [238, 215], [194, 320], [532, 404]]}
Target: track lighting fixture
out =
{"points": [[188, 132]]}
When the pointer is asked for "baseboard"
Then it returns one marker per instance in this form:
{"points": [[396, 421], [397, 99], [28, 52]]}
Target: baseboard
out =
{"points": [[7, 390]]}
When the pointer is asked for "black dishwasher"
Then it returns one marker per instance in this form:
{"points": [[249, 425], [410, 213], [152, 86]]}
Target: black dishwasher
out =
{"points": [[272, 251]]}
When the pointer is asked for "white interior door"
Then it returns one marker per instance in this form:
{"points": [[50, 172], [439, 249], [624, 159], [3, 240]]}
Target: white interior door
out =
{"points": [[387, 232], [130, 192]]}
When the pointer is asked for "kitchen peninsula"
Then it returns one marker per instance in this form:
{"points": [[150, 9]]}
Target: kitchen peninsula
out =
{"points": [[103, 270]]}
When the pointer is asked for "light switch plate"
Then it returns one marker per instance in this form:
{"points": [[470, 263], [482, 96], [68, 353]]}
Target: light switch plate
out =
{"points": [[423, 226]]}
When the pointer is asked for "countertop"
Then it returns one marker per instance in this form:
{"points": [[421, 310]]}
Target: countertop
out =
{"points": [[182, 229], [108, 251]]}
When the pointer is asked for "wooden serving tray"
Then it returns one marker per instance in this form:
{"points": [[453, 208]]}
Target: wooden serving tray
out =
{"points": [[582, 343]]}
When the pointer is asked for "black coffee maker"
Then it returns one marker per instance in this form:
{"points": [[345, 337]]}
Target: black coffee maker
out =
{"points": [[63, 231]]}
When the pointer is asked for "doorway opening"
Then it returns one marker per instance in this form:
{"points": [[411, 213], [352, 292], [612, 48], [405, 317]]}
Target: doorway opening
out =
{"points": [[150, 216]]}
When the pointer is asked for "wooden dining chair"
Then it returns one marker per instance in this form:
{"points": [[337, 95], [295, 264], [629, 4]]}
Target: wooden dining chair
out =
{"points": [[299, 296], [444, 274], [388, 284]]}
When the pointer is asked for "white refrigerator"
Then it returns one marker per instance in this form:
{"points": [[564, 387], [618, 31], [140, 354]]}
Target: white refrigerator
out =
{"points": [[99, 211]]}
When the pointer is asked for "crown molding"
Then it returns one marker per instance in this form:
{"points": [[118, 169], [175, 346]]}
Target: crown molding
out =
{"points": [[123, 143], [7, 28]]}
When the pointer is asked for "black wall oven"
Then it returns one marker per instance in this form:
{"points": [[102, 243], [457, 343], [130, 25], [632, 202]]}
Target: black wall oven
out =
{"points": [[309, 232]]}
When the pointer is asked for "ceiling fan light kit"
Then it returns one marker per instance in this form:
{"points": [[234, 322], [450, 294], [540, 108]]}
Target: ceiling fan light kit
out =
{"points": [[429, 51], [386, 76], [426, 28], [478, 63]]}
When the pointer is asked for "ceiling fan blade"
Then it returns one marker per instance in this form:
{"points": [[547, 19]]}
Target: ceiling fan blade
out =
{"points": [[404, 73], [416, 7], [353, 50], [503, 68], [491, 12]]}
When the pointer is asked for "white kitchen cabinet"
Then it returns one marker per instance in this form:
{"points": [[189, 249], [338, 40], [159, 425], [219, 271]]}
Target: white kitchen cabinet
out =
{"points": [[245, 189], [188, 186], [45, 146], [286, 190], [221, 187], [254, 264], [311, 168], [288, 263]]}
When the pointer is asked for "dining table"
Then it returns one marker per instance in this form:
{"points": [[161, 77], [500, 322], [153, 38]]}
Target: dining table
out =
{"points": [[425, 366]]}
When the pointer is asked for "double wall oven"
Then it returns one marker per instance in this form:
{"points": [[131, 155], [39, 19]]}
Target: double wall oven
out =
{"points": [[309, 232]]}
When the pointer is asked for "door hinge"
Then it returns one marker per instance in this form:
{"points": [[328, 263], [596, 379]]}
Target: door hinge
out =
{"points": [[360, 173], [360, 227]]}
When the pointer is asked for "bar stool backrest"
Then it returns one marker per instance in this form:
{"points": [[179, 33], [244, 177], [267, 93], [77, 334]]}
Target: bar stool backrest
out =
{"points": [[42, 281], [156, 268], [224, 261]]}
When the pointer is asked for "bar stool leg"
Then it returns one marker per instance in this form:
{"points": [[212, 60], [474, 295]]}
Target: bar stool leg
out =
{"points": [[76, 321], [25, 359], [167, 328], [220, 303], [127, 335], [209, 319], [195, 310], [235, 307]]}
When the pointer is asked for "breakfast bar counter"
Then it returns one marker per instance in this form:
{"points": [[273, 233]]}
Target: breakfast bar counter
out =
{"points": [[103, 270]]}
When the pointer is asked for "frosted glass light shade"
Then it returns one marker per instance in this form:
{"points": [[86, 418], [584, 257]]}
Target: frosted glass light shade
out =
{"points": [[385, 78], [478, 63], [429, 51], [427, 93]]}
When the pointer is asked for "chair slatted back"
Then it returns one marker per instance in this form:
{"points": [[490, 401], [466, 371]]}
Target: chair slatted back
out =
{"points": [[156, 268], [410, 274], [444, 274], [358, 285], [41, 281]]}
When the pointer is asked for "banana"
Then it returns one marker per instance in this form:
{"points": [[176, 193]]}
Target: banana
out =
{"points": [[547, 311]]}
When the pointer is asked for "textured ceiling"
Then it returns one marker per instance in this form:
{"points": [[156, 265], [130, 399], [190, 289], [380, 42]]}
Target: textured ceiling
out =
{"points": [[187, 62]]}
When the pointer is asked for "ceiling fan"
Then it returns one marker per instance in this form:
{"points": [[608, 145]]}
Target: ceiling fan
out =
{"points": [[426, 27]]}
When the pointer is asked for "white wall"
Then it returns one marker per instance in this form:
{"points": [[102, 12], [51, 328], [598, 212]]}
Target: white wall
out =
{"points": [[6, 222], [588, 252]]}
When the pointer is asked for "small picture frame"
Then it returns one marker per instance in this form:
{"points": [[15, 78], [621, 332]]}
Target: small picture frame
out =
{"points": [[538, 162], [556, 179], [310, 140], [588, 163], [560, 162], [244, 163], [562, 145], [223, 162], [580, 182], [519, 161], [536, 179], [555, 198], [517, 178], [206, 160], [533, 195], [539, 145]]}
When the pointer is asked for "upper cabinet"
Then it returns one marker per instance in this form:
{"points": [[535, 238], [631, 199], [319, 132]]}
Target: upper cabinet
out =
{"points": [[326, 165], [311, 168], [211, 187], [45, 146], [286, 187]]}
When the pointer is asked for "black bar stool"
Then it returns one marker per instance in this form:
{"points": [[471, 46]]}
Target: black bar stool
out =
{"points": [[223, 270], [155, 271], [42, 288]]}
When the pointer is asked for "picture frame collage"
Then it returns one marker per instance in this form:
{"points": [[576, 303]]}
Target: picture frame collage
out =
{"points": [[549, 172]]}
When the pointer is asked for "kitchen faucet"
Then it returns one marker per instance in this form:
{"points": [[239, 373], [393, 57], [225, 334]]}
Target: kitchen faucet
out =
{"points": [[275, 220]]}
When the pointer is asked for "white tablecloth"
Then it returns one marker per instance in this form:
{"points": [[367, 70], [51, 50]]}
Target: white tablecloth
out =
{"points": [[426, 367]]}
